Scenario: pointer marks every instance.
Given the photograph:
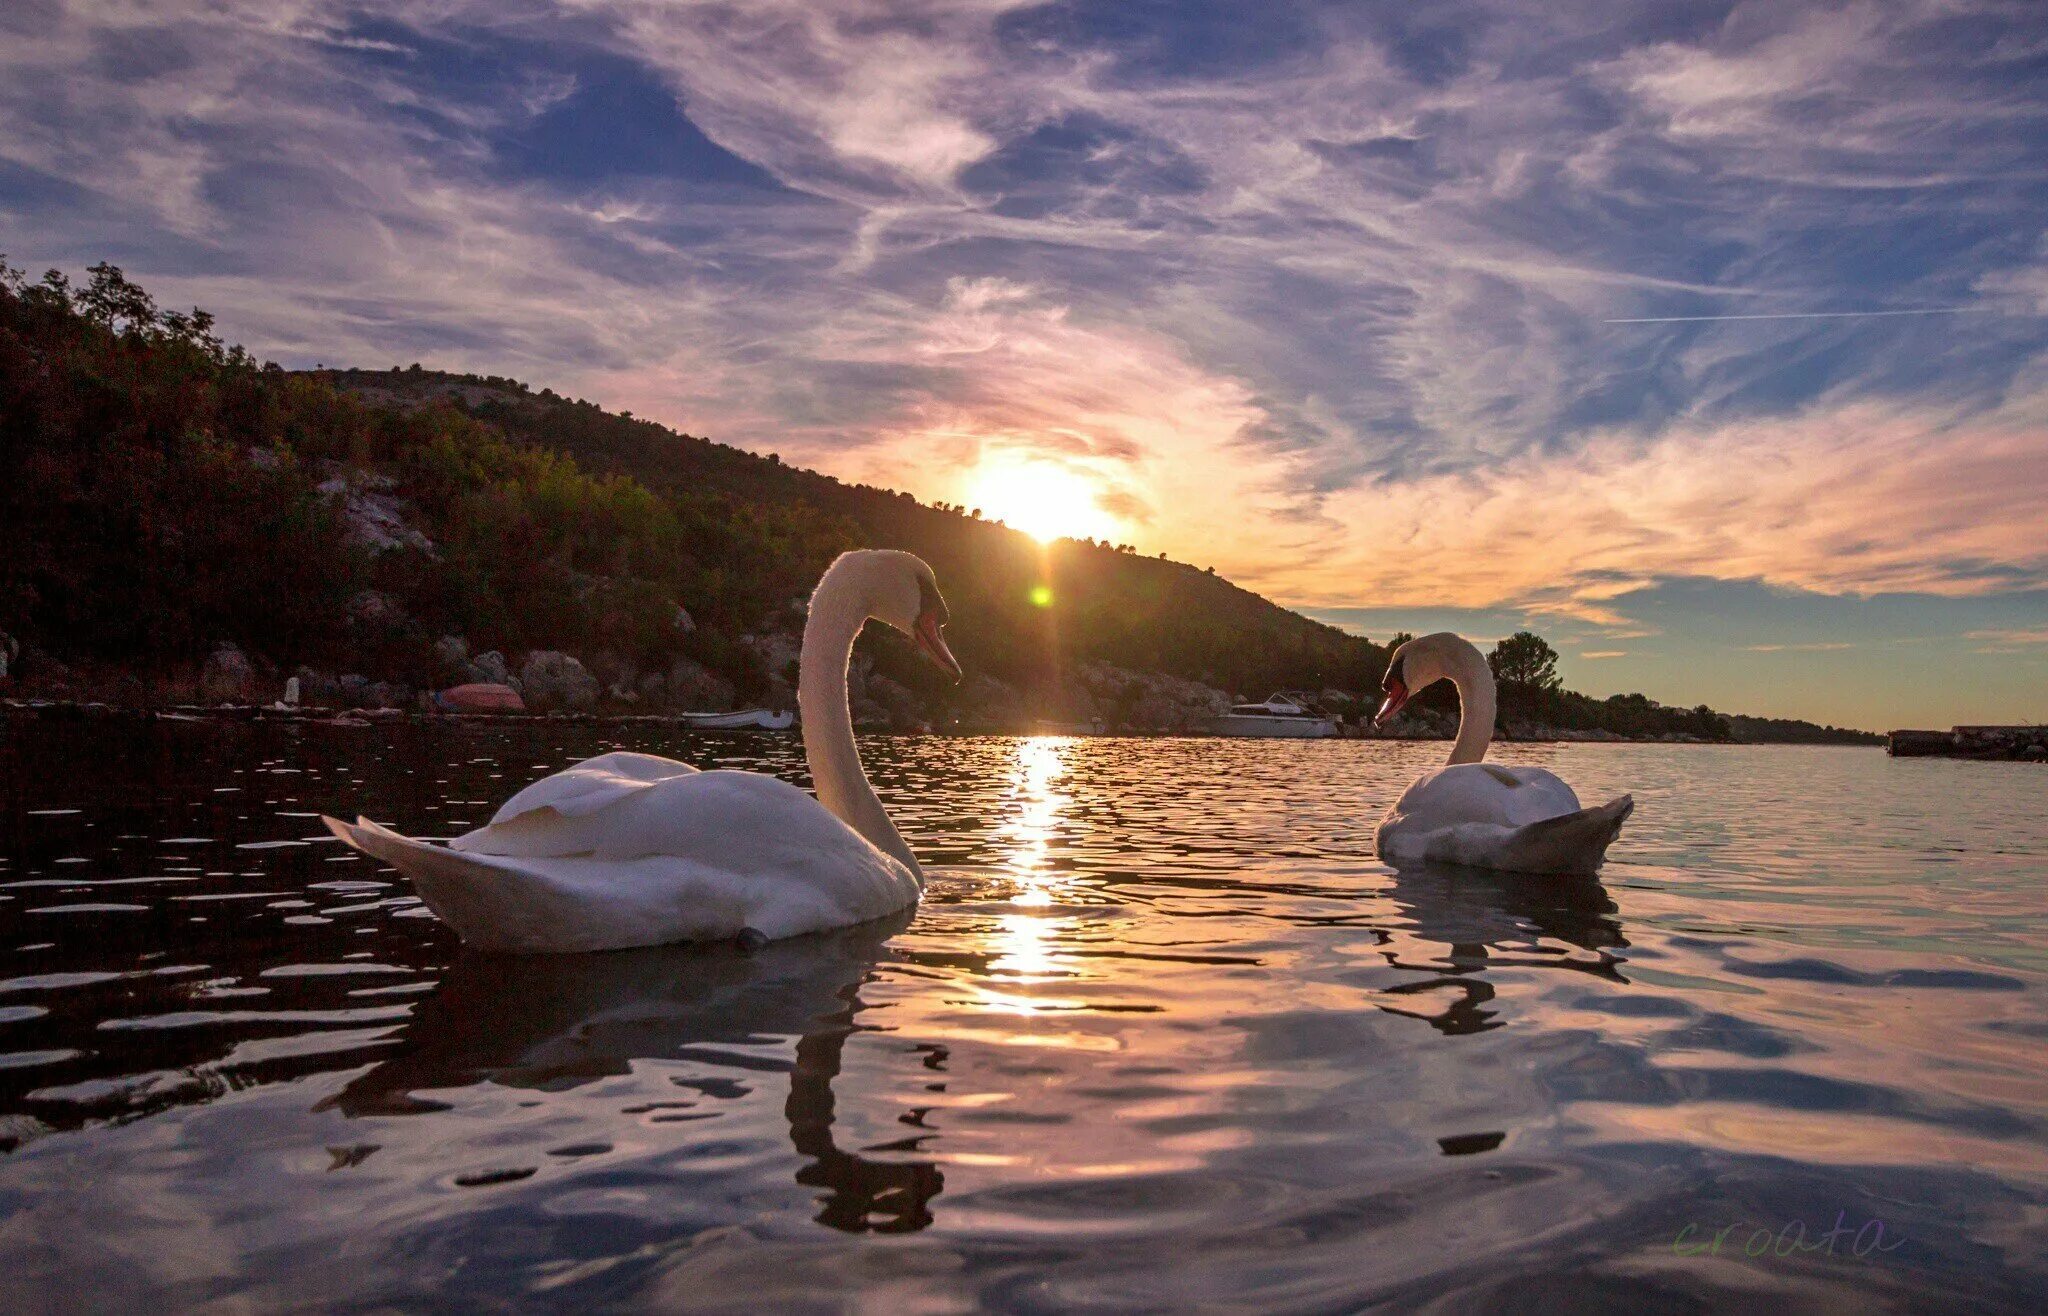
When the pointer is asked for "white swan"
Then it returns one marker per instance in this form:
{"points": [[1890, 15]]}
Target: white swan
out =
{"points": [[634, 850], [1525, 820]]}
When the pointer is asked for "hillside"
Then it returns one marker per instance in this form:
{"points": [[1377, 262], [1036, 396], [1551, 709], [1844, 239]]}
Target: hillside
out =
{"points": [[1107, 605], [191, 522]]}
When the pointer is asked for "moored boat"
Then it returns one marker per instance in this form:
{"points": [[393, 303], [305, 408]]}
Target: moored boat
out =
{"points": [[1287, 715], [744, 719], [479, 697]]}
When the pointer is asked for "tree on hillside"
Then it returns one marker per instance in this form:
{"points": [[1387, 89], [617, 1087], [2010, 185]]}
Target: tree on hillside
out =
{"points": [[1525, 659]]}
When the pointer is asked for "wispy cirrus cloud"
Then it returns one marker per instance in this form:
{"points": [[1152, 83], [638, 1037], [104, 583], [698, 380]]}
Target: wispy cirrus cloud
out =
{"points": [[1939, 508], [1830, 646], [2004, 640]]}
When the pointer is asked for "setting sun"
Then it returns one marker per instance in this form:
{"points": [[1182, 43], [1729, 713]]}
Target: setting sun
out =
{"points": [[1045, 501]]}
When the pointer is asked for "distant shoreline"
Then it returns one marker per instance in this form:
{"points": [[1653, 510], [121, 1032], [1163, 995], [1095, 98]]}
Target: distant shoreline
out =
{"points": [[98, 711]]}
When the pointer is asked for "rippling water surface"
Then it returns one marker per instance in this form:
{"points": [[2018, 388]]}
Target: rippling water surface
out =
{"points": [[1162, 1035]]}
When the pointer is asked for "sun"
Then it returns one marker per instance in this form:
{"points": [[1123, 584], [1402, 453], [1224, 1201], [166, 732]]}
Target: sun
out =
{"points": [[1045, 501]]}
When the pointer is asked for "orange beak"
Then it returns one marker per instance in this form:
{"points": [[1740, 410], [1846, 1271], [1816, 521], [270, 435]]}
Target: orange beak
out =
{"points": [[1397, 699], [931, 639]]}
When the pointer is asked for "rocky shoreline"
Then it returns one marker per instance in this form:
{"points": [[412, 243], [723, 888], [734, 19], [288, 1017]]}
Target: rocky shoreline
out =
{"points": [[1087, 698], [1426, 727]]}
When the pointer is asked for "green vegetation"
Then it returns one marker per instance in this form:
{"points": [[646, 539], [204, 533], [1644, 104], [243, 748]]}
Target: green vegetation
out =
{"points": [[166, 493], [1525, 662]]}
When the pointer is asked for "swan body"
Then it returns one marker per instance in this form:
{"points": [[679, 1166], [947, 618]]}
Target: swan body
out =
{"points": [[1484, 815], [636, 850]]}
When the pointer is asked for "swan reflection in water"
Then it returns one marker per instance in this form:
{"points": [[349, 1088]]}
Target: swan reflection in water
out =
{"points": [[573, 1019], [1492, 920]]}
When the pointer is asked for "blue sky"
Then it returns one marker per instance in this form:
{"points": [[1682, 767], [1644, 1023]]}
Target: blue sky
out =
{"points": [[1706, 339]]}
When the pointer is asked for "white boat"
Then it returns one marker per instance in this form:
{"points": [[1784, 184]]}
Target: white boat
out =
{"points": [[1285, 714], [745, 719]]}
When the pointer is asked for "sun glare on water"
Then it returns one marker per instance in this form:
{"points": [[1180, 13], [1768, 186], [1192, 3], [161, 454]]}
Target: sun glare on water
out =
{"points": [[1045, 501]]}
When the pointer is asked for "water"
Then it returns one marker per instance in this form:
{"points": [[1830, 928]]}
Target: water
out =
{"points": [[1162, 1035]]}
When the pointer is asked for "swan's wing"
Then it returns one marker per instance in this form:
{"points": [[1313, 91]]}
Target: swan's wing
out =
{"points": [[1538, 794], [1462, 793], [592, 784], [733, 822]]}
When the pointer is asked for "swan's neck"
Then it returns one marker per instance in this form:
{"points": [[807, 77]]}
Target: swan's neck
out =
{"points": [[838, 611], [1474, 679]]}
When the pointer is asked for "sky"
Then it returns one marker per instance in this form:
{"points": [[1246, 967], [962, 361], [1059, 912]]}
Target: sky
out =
{"points": [[1708, 340]]}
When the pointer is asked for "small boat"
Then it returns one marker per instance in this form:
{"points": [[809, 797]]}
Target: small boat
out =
{"points": [[1288, 714], [480, 697], [745, 719]]}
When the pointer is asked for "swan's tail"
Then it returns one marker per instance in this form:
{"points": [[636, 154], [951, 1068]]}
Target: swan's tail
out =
{"points": [[471, 893], [1573, 843]]}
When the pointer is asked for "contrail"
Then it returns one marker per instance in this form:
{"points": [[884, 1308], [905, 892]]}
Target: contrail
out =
{"points": [[1793, 315]]}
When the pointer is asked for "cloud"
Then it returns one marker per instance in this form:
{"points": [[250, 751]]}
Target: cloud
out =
{"points": [[1857, 500], [856, 100], [1604, 653], [1825, 647], [2031, 641]]}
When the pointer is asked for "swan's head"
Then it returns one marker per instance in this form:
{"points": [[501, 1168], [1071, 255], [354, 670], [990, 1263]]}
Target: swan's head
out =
{"points": [[1416, 665], [901, 591]]}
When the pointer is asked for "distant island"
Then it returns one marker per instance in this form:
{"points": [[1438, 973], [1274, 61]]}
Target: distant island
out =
{"points": [[193, 525]]}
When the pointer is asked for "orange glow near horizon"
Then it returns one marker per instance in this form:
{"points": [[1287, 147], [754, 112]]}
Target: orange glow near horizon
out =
{"points": [[1041, 499]]}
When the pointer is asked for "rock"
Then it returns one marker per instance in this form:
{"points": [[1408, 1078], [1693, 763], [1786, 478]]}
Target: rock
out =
{"points": [[905, 712], [616, 676], [51, 676], [375, 518], [127, 690], [489, 668], [683, 621], [373, 609], [317, 688], [778, 653], [692, 687], [992, 704], [357, 691], [451, 652], [549, 679], [227, 678], [388, 694], [1143, 701], [1416, 724]]}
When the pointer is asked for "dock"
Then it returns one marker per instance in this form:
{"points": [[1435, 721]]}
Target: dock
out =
{"points": [[2027, 743]]}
